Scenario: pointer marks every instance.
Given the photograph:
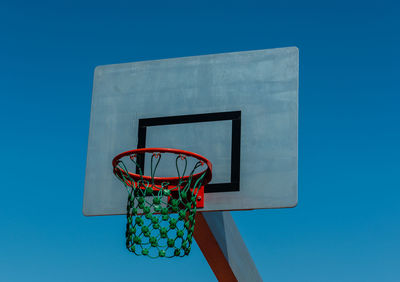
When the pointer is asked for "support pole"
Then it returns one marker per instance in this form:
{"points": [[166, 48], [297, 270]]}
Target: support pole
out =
{"points": [[223, 247]]}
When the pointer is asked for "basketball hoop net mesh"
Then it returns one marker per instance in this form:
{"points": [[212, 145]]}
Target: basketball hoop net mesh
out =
{"points": [[160, 216]]}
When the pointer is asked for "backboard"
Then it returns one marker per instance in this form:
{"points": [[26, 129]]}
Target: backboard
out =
{"points": [[239, 110]]}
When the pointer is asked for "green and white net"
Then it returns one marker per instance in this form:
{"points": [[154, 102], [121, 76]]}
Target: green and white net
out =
{"points": [[160, 214]]}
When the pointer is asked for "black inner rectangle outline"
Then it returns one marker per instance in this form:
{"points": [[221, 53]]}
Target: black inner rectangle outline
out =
{"points": [[234, 116]]}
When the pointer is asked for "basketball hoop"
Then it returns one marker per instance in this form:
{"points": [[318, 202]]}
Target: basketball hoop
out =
{"points": [[161, 210]]}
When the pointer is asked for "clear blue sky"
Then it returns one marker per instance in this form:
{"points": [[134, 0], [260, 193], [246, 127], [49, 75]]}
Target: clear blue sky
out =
{"points": [[346, 226]]}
